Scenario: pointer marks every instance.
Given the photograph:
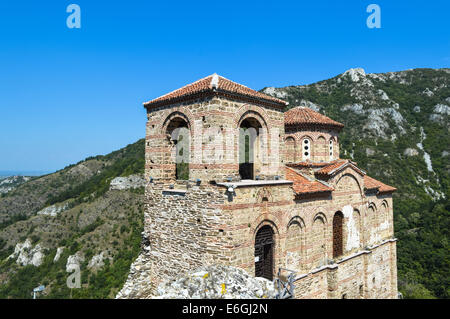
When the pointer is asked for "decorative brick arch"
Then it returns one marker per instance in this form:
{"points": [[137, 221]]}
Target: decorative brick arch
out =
{"points": [[321, 136], [349, 175], [358, 221], [295, 244], [321, 215], [296, 219], [383, 216], [320, 146], [302, 137], [258, 117], [258, 112], [266, 219], [371, 215], [318, 241], [184, 114], [290, 144], [264, 193]]}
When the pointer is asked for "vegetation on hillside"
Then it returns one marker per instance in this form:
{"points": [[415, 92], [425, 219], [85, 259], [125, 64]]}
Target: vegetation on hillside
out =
{"points": [[97, 220], [124, 162], [421, 217]]}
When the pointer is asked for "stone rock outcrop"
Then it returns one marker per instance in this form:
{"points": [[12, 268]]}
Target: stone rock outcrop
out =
{"points": [[216, 282], [74, 261], [411, 152], [25, 254], [138, 284], [53, 210], [370, 152], [355, 74], [97, 262], [8, 184], [58, 254], [132, 181]]}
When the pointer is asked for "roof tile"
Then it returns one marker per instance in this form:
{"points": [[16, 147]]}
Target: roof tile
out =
{"points": [[303, 185], [212, 84], [305, 116], [372, 183]]}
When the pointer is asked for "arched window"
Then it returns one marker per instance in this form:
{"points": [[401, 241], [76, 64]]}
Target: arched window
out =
{"points": [[178, 134], [338, 240], [249, 144], [306, 149]]}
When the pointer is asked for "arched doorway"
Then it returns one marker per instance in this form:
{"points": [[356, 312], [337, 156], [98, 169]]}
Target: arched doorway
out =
{"points": [[264, 246], [248, 147], [338, 241]]}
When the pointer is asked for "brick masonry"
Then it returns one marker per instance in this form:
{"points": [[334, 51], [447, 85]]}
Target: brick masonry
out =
{"points": [[197, 222]]}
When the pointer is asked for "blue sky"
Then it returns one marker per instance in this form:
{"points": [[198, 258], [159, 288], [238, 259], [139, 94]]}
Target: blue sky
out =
{"points": [[66, 94]]}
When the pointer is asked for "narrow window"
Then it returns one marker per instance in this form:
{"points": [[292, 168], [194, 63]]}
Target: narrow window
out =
{"points": [[331, 150], [337, 234], [306, 149]]}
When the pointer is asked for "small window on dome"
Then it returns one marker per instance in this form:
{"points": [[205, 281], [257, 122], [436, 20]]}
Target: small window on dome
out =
{"points": [[331, 149], [306, 153]]}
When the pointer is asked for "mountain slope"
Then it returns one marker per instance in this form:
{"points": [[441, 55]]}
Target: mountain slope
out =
{"points": [[397, 128], [69, 217]]}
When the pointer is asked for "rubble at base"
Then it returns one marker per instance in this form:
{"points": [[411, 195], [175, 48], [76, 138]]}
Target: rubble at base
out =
{"points": [[216, 282]]}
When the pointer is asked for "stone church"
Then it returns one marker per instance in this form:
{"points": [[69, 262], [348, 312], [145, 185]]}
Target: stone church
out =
{"points": [[236, 177]]}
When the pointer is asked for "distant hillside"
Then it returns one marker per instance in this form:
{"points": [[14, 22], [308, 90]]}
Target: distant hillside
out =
{"points": [[9, 183], [72, 216], [397, 128]]}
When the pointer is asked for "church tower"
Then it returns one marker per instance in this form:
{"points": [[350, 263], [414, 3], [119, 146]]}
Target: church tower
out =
{"points": [[236, 179]]}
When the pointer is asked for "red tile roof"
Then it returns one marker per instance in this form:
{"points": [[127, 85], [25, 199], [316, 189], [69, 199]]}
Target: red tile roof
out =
{"points": [[372, 183], [213, 84], [305, 116], [311, 164], [327, 168], [303, 185]]}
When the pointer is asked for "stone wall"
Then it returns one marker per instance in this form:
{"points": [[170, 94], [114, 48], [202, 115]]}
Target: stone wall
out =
{"points": [[303, 235]]}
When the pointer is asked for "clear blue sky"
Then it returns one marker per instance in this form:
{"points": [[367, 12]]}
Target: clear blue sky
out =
{"points": [[66, 94]]}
